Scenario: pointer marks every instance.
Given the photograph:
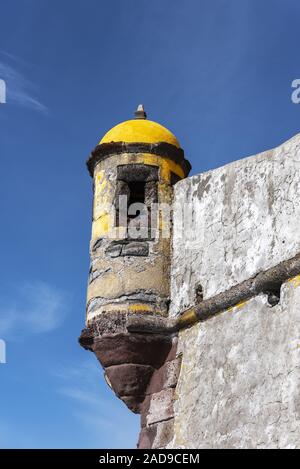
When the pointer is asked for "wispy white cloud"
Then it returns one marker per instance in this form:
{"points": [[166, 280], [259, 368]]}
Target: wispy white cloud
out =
{"points": [[37, 307], [18, 88], [84, 396], [106, 419], [95, 418]]}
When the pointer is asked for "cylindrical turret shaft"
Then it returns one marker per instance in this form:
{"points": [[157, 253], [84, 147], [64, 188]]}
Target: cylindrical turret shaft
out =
{"points": [[133, 168]]}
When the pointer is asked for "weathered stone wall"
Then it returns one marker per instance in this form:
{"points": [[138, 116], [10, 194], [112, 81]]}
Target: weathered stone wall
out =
{"points": [[240, 377], [157, 409], [242, 218]]}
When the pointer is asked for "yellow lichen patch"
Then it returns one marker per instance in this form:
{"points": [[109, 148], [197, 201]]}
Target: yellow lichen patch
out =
{"points": [[241, 304], [100, 183], [99, 177], [102, 195], [179, 439], [237, 306], [121, 308], [101, 226], [188, 318], [140, 130], [140, 308], [295, 281]]}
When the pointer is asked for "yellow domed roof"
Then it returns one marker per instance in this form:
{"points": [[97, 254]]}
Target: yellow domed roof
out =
{"points": [[140, 130]]}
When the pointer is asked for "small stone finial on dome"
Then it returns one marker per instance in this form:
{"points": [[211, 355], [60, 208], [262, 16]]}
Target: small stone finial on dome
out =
{"points": [[140, 112]]}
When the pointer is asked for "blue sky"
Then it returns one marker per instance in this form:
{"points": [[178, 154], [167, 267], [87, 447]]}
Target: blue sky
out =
{"points": [[217, 73]]}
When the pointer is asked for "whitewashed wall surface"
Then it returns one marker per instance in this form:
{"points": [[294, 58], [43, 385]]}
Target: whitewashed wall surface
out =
{"points": [[243, 218], [240, 377]]}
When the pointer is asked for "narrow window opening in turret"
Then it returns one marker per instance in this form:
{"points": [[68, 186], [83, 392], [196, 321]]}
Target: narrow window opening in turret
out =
{"points": [[137, 183], [136, 195]]}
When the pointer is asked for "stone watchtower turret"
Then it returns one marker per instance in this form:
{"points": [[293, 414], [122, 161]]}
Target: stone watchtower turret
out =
{"points": [[208, 304], [134, 168]]}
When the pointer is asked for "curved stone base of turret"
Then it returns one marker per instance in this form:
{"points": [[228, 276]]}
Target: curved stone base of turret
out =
{"points": [[138, 355]]}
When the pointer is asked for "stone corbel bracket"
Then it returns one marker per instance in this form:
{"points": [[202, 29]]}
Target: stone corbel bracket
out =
{"points": [[138, 355]]}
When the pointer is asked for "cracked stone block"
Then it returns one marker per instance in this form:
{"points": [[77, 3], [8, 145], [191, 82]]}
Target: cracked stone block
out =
{"points": [[164, 434], [160, 406], [157, 435], [165, 377], [135, 249], [147, 436], [114, 250]]}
